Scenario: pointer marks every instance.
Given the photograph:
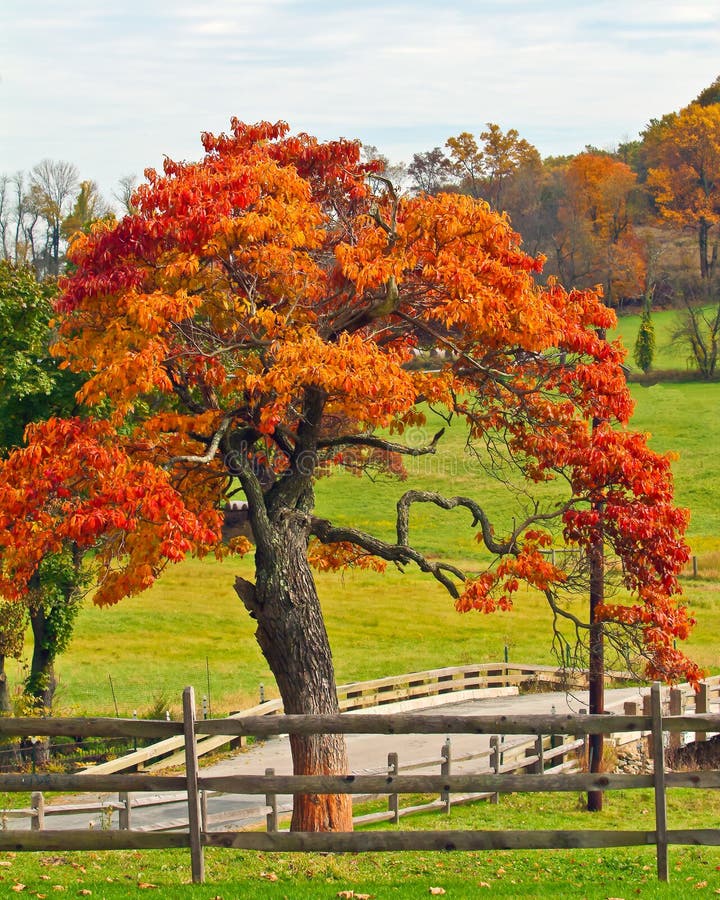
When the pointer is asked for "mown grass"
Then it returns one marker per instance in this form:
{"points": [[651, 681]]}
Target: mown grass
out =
{"points": [[191, 624], [670, 354], [615, 873]]}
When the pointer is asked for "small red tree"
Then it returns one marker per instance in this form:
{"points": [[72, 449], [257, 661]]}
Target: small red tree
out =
{"points": [[250, 324]]}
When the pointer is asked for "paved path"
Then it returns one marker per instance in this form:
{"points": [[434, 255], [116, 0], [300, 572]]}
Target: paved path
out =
{"points": [[366, 752]]}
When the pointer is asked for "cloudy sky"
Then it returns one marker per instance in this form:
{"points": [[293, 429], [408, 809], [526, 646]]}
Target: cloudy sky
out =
{"points": [[114, 88]]}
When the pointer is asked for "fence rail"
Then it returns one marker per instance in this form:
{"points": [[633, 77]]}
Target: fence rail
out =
{"points": [[391, 783]]}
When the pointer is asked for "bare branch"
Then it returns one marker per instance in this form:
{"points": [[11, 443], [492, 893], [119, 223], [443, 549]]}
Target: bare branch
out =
{"points": [[369, 440], [396, 553], [211, 451], [479, 518]]}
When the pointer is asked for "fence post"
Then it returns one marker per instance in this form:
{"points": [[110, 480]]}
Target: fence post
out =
{"points": [[647, 711], [271, 819], [124, 814], [37, 819], [393, 799], [676, 698], [659, 783], [203, 811], [539, 766], [701, 707], [445, 766], [193, 798], [495, 762]]}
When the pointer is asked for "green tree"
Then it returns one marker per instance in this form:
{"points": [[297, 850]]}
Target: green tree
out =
{"points": [[32, 387], [644, 351]]}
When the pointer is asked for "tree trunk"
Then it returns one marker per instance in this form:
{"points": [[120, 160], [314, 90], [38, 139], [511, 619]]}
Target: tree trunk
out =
{"points": [[41, 682], [292, 636], [5, 698], [596, 675], [708, 259]]}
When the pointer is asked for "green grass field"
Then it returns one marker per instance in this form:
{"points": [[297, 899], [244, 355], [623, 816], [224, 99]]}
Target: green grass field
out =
{"points": [[191, 624], [191, 629], [615, 873]]}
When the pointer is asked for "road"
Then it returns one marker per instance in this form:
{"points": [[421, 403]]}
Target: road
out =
{"points": [[367, 753]]}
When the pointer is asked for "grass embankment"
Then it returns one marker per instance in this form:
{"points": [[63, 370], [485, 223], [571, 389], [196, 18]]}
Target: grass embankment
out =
{"points": [[528, 874], [191, 621]]}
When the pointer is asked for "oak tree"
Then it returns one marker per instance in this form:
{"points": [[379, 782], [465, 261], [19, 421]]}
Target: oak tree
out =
{"points": [[249, 327]]}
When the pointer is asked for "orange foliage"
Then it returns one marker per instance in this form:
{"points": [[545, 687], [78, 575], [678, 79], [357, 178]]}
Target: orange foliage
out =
{"points": [[253, 321]]}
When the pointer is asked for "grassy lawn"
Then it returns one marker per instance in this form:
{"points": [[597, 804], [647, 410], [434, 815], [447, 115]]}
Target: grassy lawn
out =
{"points": [[191, 628], [669, 355], [614, 873]]}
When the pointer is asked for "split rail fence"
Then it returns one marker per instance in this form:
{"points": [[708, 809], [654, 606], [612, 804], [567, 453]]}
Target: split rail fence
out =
{"points": [[196, 838]]}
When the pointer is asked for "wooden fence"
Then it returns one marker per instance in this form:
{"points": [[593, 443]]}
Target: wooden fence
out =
{"points": [[495, 782]]}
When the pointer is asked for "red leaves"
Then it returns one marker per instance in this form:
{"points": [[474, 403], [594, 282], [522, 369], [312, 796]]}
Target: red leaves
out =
{"points": [[90, 492], [266, 273]]}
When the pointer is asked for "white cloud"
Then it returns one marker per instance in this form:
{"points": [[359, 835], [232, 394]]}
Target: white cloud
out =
{"points": [[113, 89]]}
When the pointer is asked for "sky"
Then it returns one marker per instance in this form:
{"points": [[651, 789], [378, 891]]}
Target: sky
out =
{"points": [[114, 88]]}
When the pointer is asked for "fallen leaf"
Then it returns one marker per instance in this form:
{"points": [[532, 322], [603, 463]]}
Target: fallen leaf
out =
{"points": [[346, 895], [18, 887], [5, 862], [484, 884], [41, 896], [701, 884], [270, 876], [146, 884], [437, 890], [363, 896], [84, 892]]}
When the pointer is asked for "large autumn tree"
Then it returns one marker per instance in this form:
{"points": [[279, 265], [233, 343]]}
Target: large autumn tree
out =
{"points": [[594, 241], [248, 328], [684, 152]]}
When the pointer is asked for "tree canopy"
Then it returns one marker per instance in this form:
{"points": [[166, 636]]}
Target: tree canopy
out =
{"points": [[249, 327]]}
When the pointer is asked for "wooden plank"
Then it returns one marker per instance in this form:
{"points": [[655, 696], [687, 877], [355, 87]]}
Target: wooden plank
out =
{"points": [[419, 784], [426, 840], [89, 727], [88, 839], [56, 781], [659, 783], [61, 809], [423, 723], [708, 779], [697, 837], [193, 796], [137, 757]]}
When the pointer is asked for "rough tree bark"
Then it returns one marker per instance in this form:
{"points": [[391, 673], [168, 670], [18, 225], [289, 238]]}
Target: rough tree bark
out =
{"points": [[41, 682], [5, 698], [285, 603]]}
